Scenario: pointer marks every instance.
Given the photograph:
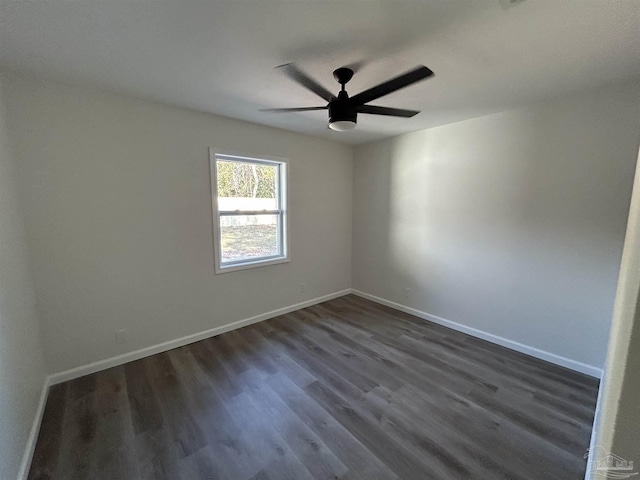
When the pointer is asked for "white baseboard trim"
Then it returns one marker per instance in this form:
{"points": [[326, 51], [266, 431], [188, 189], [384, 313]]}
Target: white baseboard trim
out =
{"points": [[505, 342], [25, 465], [179, 342]]}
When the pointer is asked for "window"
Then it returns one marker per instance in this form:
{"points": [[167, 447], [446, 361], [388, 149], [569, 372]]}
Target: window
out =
{"points": [[249, 211]]}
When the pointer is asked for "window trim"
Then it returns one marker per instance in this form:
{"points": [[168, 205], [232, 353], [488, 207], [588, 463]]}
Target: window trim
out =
{"points": [[283, 231]]}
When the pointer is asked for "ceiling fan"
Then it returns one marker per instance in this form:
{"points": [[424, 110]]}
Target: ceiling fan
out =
{"points": [[343, 110]]}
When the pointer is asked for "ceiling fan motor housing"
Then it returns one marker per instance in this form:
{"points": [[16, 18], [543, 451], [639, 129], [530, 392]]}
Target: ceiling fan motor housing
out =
{"points": [[341, 109]]}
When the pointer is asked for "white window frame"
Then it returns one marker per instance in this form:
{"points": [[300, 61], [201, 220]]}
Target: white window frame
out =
{"points": [[216, 154]]}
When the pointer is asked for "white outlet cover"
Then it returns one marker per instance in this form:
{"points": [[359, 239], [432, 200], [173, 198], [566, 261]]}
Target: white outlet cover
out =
{"points": [[121, 336]]}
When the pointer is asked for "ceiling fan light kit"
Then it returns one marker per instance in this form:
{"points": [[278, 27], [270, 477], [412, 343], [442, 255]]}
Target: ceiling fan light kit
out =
{"points": [[343, 110], [342, 125]]}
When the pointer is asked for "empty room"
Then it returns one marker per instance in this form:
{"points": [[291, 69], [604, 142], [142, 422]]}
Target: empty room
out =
{"points": [[313, 240]]}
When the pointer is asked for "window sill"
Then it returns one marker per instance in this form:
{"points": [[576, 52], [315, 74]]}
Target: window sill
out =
{"points": [[251, 264]]}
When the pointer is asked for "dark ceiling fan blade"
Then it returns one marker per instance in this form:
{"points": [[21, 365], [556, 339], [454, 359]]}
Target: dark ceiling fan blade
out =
{"points": [[303, 79], [406, 79], [392, 112], [296, 109]]}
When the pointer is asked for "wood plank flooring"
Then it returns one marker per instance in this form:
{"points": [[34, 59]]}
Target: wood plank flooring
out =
{"points": [[347, 389]]}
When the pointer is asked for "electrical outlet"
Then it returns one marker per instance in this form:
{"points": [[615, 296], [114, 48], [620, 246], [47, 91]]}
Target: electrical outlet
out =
{"points": [[407, 292], [121, 336], [303, 287]]}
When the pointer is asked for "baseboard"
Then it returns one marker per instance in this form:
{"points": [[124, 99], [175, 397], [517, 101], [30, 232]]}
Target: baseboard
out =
{"points": [[505, 342], [23, 473], [163, 347]]}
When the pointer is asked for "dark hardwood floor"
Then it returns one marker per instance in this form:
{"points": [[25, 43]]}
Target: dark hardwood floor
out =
{"points": [[347, 389]]}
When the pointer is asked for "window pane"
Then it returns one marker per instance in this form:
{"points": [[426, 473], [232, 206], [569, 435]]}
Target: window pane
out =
{"points": [[247, 237], [246, 186]]}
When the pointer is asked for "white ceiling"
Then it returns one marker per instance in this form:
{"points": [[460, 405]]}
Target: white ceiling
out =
{"points": [[218, 56]]}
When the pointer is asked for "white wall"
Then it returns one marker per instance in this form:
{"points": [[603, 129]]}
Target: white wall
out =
{"points": [[22, 369], [118, 209], [512, 223], [617, 418]]}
